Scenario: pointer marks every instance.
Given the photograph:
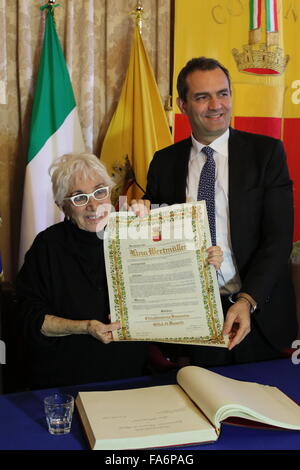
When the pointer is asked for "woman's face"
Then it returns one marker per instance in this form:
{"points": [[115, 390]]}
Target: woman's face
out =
{"points": [[94, 215]]}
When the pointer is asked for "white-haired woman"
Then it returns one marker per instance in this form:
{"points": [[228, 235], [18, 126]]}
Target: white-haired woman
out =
{"points": [[62, 291]]}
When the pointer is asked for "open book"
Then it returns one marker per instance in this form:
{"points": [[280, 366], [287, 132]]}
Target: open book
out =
{"points": [[190, 412]]}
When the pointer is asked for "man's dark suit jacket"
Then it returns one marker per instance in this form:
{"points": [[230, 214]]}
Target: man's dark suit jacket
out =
{"points": [[261, 221]]}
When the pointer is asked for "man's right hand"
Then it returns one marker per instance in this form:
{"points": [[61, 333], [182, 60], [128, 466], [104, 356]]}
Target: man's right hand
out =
{"points": [[141, 207], [237, 323]]}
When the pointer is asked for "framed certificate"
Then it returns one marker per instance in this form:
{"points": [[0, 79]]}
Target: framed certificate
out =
{"points": [[161, 287]]}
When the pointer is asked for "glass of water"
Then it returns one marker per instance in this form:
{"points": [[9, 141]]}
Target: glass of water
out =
{"points": [[59, 411]]}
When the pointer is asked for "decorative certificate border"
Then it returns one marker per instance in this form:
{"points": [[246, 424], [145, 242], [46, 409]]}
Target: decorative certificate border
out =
{"points": [[201, 240]]}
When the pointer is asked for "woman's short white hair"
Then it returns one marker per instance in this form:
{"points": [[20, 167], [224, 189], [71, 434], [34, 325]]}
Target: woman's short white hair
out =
{"points": [[64, 168]]}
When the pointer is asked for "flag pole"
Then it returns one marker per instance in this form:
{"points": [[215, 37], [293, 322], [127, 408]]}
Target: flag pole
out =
{"points": [[139, 14]]}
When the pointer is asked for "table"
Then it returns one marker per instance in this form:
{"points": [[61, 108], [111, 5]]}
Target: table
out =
{"points": [[23, 426]]}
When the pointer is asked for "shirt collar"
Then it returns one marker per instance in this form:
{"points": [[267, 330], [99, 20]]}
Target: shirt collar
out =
{"points": [[219, 145]]}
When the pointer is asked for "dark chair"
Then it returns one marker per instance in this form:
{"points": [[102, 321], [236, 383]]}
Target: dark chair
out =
{"points": [[14, 371]]}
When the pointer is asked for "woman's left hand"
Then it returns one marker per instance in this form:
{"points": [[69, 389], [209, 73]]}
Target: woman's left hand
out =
{"points": [[101, 331], [215, 256]]}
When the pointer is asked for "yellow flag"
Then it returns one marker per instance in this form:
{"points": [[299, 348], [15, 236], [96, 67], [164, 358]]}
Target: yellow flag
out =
{"points": [[139, 125], [257, 41], [259, 69]]}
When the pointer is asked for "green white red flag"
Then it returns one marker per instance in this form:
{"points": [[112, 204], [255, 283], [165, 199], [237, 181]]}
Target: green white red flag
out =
{"points": [[55, 130]]}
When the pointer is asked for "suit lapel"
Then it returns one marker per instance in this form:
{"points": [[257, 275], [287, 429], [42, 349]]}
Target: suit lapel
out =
{"points": [[181, 170]]}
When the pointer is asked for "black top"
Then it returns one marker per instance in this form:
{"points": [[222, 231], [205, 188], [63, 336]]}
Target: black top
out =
{"points": [[64, 275]]}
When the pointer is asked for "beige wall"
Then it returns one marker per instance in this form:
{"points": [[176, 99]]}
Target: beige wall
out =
{"points": [[96, 38]]}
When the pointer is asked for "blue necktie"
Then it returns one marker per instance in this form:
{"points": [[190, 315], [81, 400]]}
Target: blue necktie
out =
{"points": [[206, 190]]}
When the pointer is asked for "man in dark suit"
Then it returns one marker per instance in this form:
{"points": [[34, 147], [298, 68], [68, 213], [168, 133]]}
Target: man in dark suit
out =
{"points": [[253, 215]]}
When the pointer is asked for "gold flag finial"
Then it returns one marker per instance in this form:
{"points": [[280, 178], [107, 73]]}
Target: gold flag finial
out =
{"points": [[169, 112], [50, 5], [139, 14]]}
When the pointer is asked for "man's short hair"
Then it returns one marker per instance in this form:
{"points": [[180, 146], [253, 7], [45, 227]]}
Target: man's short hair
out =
{"points": [[198, 63]]}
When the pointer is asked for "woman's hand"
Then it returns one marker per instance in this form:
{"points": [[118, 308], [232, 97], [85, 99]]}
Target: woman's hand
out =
{"points": [[215, 256], [101, 331]]}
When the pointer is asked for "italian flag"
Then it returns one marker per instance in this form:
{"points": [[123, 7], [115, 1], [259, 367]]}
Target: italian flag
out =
{"points": [[255, 14], [271, 13], [55, 130]]}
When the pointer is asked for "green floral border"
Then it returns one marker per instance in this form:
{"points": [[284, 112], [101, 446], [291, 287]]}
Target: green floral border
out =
{"points": [[117, 277], [118, 284], [205, 272]]}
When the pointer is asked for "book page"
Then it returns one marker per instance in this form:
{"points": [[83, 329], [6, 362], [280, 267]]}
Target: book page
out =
{"points": [[220, 397], [144, 417], [160, 285]]}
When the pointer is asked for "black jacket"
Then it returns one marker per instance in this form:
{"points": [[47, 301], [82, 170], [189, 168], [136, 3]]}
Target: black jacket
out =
{"points": [[261, 220], [64, 275]]}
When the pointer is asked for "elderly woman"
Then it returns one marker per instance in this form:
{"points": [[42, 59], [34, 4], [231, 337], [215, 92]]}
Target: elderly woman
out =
{"points": [[63, 298]]}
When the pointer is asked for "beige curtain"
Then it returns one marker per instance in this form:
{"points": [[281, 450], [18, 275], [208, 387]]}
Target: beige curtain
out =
{"points": [[96, 38]]}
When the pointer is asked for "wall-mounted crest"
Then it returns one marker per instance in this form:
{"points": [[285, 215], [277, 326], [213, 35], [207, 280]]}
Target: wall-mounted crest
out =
{"points": [[262, 57]]}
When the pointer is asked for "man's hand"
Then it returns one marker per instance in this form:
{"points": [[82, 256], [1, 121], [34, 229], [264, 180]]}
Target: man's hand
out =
{"points": [[101, 331], [215, 256], [237, 322], [141, 207]]}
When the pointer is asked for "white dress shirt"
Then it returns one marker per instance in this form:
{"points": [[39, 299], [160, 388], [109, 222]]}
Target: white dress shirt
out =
{"points": [[228, 277]]}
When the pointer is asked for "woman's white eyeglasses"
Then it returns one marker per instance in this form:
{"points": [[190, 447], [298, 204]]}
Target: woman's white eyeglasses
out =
{"points": [[83, 199]]}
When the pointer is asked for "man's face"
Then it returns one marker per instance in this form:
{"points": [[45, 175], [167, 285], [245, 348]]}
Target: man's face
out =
{"points": [[208, 104]]}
